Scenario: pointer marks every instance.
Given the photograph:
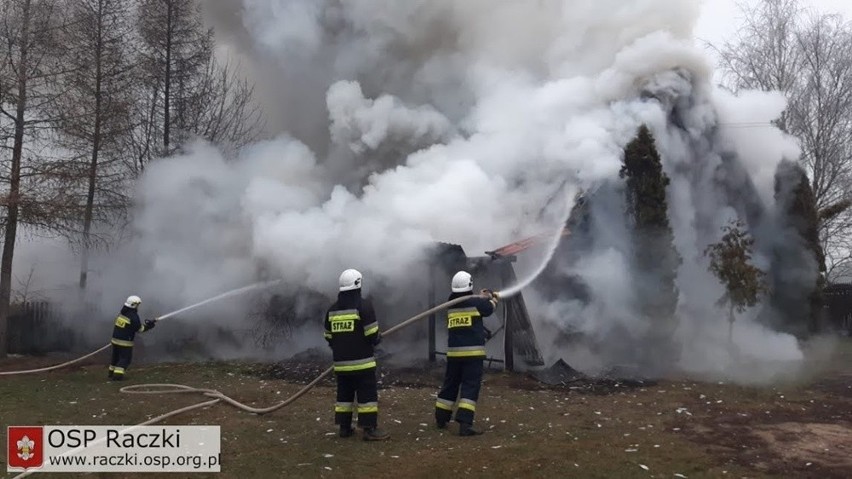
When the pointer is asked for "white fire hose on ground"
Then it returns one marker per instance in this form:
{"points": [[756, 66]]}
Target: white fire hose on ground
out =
{"points": [[217, 395], [182, 389], [58, 366], [159, 318]]}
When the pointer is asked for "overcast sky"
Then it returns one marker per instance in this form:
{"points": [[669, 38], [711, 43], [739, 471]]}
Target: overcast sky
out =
{"points": [[720, 18]]}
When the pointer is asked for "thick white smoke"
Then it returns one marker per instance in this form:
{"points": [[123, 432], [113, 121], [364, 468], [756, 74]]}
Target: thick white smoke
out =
{"points": [[401, 123]]}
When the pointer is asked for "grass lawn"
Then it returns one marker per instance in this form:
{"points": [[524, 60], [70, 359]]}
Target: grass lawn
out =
{"points": [[675, 428]]}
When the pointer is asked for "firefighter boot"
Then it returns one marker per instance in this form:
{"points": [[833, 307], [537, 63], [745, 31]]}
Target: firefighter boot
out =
{"points": [[468, 430], [375, 434], [346, 430]]}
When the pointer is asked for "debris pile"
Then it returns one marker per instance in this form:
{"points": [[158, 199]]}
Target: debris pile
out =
{"points": [[561, 374], [306, 366]]}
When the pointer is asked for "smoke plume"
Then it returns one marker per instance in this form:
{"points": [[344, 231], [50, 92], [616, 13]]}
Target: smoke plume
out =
{"points": [[397, 124]]}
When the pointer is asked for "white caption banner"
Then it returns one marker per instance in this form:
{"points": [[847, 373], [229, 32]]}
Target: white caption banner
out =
{"points": [[113, 448]]}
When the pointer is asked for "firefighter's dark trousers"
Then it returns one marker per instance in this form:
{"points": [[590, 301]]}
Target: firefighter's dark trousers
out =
{"points": [[121, 356], [462, 380], [362, 385]]}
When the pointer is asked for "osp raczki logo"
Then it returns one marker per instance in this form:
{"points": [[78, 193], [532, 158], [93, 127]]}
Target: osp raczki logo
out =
{"points": [[25, 447]]}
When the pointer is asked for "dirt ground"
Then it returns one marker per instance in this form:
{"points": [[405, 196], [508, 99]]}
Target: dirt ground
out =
{"points": [[668, 428]]}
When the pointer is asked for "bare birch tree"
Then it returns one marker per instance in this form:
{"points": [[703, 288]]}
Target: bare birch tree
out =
{"points": [[808, 57], [825, 113], [224, 112]]}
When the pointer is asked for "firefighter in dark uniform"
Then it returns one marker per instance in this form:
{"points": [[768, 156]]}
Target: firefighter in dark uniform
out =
{"points": [[127, 324], [352, 332], [466, 336]]}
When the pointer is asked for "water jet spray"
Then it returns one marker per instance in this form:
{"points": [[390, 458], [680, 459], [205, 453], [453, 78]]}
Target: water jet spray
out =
{"points": [[221, 296], [520, 285], [167, 315]]}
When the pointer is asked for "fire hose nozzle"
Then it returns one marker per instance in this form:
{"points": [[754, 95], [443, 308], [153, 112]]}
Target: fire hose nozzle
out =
{"points": [[493, 294]]}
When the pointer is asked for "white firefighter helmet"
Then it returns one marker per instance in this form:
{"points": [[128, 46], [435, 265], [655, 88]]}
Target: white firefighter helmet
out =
{"points": [[133, 301], [462, 282], [350, 279]]}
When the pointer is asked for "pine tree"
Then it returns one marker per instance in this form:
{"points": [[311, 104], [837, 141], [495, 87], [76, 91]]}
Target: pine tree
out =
{"points": [[798, 259], [656, 258], [647, 206]]}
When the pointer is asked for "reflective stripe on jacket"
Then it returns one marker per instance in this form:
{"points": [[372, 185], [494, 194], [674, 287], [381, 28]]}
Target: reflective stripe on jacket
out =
{"points": [[465, 329], [350, 327], [125, 327]]}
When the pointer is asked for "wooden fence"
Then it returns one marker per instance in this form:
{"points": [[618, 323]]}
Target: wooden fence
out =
{"points": [[35, 328], [838, 305]]}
